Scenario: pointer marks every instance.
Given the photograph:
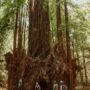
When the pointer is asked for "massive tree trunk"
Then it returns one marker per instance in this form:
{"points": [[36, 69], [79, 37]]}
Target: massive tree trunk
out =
{"points": [[39, 40], [39, 28]]}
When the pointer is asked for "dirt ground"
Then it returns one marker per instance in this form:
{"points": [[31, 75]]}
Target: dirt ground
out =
{"points": [[2, 89], [85, 88]]}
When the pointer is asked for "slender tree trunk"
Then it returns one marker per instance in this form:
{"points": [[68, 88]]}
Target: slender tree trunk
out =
{"points": [[11, 66], [15, 33], [17, 54], [89, 51], [24, 35], [74, 63], [69, 56], [20, 32], [60, 38], [85, 68], [73, 46], [81, 74], [24, 22], [59, 32], [78, 60]]}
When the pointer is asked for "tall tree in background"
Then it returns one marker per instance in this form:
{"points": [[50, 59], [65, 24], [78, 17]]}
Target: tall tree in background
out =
{"points": [[14, 70], [20, 31], [10, 57], [68, 46], [59, 31], [12, 84], [61, 50], [78, 60], [84, 64]]}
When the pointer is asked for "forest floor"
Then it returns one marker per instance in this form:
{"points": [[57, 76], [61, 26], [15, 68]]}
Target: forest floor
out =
{"points": [[85, 88], [88, 88], [2, 89]]}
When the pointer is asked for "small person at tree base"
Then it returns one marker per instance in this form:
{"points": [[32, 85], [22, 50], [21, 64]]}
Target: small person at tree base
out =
{"points": [[37, 86], [63, 86], [20, 84], [55, 86]]}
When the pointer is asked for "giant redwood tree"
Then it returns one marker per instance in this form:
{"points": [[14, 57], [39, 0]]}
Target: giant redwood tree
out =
{"points": [[42, 63], [38, 43]]}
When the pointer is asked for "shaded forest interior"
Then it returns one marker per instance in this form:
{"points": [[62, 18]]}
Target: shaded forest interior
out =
{"points": [[50, 42]]}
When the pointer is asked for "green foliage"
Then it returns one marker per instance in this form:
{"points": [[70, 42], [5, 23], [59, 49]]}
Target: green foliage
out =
{"points": [[7, 18], [8, 9], [3, 73]]}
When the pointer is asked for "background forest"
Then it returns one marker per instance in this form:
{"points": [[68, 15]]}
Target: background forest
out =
{"points": [[48, 31]]}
